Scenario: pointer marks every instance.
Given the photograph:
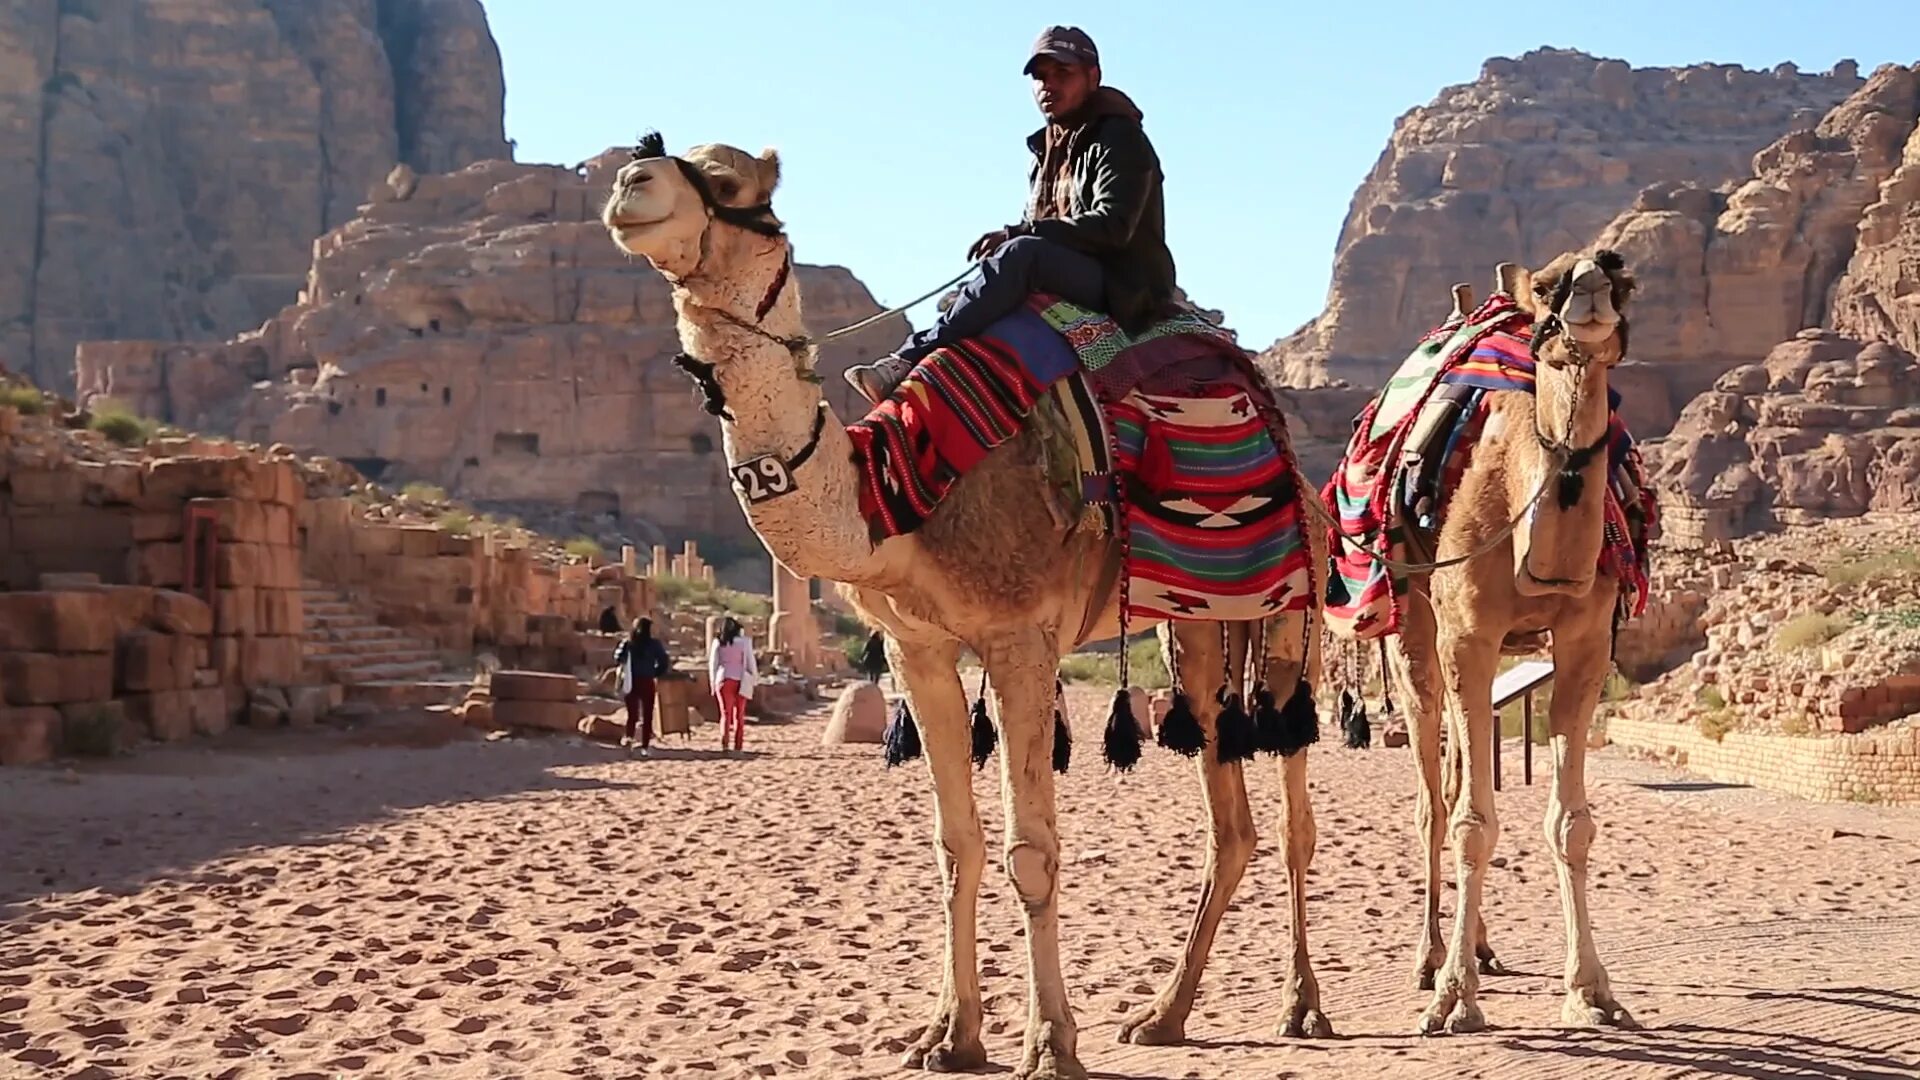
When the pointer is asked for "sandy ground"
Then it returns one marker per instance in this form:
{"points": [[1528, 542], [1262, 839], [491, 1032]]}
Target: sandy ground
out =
{"points": [[309, 905]]}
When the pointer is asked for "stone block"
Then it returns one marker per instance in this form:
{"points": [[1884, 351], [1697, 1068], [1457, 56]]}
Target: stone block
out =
{"points": [[236, 612], [242, 565], [179, 613], [109, 482], [150, 661], [55, 582], [172, 481], [162, 564], [45, 487], [95, 729], [223, 656], [541, 715], [28, 735], [859, 716], [420, 542], [151, 525], [534, 686], [279, 483], [306, 705], [68, 621], [269, 661], [376, 540], [279, 612], [278, 525], [207, 708], [282, 568], [165, 715], [31, 678], [236, 521]]}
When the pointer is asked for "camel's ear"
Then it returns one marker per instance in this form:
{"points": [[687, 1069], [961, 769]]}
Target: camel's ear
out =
{"points": [[769, 160]]}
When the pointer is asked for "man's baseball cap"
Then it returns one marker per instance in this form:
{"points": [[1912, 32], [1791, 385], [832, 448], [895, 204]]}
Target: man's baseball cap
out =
{"points": [[1067, 44]]}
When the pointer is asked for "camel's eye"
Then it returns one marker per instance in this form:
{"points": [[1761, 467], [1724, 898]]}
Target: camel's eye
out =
{"points": [[726, 190]]}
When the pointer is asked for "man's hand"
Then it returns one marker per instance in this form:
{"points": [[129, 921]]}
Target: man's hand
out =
{"points": [[988, 244]]}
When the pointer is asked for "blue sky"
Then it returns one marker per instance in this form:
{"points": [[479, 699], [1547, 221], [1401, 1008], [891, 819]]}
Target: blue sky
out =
{"points": [[902, 124]]}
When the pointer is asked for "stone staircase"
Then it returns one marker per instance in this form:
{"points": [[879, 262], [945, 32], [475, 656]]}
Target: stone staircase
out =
{"points": [[378, 665]]}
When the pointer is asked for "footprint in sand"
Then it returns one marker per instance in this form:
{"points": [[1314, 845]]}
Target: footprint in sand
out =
{"points": [[472, 1025], [411, 1038]]}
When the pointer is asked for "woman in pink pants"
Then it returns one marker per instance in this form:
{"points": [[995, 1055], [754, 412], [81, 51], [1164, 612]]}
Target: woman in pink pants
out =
{"points": [[730, 663]]}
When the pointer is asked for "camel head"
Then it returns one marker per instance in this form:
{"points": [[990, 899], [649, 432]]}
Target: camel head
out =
{"points": [[664, 208], [1579, 307]]}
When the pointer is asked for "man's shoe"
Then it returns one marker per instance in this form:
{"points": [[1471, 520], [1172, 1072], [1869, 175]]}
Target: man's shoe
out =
{"points": [[876, 380]]}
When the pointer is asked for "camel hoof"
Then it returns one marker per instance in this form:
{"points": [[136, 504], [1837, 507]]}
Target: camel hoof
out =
{"points": [[1423, 979], [1050, 1056], [1433, 1020], [1466, 1019], [937, 1052], [1584, 1010], [1307, 1024], [1153, 1026], [1491, 965]]}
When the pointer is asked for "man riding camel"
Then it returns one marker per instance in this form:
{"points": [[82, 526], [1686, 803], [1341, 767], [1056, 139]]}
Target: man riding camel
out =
{"points": [[1094, 233]]}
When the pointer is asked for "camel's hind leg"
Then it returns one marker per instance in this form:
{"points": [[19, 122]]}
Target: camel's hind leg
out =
{"points": [[1293, 645], [1414, 668], [1582, 654], [951, 1041], [1232, 837], [1022, 666], [1482, 951]]}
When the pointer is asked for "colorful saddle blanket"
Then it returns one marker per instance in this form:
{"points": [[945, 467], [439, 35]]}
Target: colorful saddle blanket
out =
{"points": [[1410, 447], [1182, 451]]}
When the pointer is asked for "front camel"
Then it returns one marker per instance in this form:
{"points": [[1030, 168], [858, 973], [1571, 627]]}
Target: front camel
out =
{"points": [[1525, 517], [991, 561]]}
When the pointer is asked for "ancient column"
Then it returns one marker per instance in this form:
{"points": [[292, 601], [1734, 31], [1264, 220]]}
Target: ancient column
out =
{"points": [[793, 629]]}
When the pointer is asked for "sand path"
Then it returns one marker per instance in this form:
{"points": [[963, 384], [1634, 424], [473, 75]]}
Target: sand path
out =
{"points": [[307, 906]]}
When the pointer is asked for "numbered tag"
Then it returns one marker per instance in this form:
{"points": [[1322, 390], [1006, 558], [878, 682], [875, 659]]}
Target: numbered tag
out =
{"points": [[763, 478]]}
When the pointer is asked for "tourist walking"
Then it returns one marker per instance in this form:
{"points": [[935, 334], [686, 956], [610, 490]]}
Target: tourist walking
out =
{"points": [[873, 659], [641, 659], [731, 666]]}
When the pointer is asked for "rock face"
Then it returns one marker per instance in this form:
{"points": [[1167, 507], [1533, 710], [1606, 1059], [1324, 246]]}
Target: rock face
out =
{"points": [[166, 164], [478, 330], [1824, 428], [1727, 275], [1535, 157]]}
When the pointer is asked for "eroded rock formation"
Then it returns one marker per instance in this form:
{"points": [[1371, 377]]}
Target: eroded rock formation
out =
{"points": [[1535, 157], [166, 164], [476, 330]]}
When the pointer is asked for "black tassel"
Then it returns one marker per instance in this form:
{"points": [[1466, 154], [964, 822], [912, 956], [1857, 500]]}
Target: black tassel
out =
{"points": [[902, 737], [1299, 722], [984, 736], [1062, 743], [1234, 729], [1268, 728], [1572, 486], [1180, 732], [1121, 744]]}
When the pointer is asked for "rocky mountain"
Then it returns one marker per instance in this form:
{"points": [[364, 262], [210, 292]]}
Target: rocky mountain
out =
{"points": [[1536, 156], [166, 164], [479, 331]]}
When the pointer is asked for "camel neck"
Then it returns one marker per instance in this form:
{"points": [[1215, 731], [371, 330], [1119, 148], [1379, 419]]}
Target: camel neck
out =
{"points": [[807, 513]]}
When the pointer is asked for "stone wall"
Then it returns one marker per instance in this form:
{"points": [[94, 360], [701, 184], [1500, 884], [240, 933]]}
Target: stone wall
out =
{"points": [[1880, 766]]}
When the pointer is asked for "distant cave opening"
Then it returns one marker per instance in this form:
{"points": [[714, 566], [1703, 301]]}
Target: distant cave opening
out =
{"points": [[510, 443], [446, 395], [701, 442], [373, 468], [598, 503], [380, 397]]}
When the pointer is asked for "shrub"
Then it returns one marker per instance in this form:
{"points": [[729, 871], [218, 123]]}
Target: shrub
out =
{"points": [[1808, 631], [583, 547], [1855, 568], [1088, 668], [456, 522], [1715, 725], [27, 400], [122, 426], [421, 491], [745, 604]]}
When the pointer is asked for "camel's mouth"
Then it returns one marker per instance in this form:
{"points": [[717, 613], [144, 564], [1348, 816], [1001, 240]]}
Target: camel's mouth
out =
{"points": [[1592, 331]]}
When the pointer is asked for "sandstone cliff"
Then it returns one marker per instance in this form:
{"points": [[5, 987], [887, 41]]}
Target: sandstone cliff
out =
{"points": [[166, 164], [479, 331], [1727, 274], [1533, 158]]}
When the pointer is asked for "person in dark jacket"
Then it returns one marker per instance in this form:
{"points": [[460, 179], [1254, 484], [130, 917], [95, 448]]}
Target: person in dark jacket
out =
{"points": [[1094, 232], [873, 659], [643, 659]]}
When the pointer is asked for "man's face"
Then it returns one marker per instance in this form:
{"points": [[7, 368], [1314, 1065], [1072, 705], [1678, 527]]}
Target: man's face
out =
{"points": [[1060, 88]]}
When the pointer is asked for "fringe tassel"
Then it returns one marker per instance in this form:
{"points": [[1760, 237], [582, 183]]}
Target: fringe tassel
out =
{"points": [[1121, 743], [1234, 729], [1268, 727], [1353, 720], [1062, 743], [902, 736], [1299, 721], [1180, 730], [984, 737]]}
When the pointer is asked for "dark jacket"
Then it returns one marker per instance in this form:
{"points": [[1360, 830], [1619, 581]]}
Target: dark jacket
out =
{"points": [[647, 656], [1116, 211]]}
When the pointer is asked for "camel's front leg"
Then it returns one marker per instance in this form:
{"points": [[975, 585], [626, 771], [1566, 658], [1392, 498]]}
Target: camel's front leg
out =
{"points": [[951, 1041], [1230, 843], [1414, 668], [1468, 665], [1581, 657], [1021, 665]]}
